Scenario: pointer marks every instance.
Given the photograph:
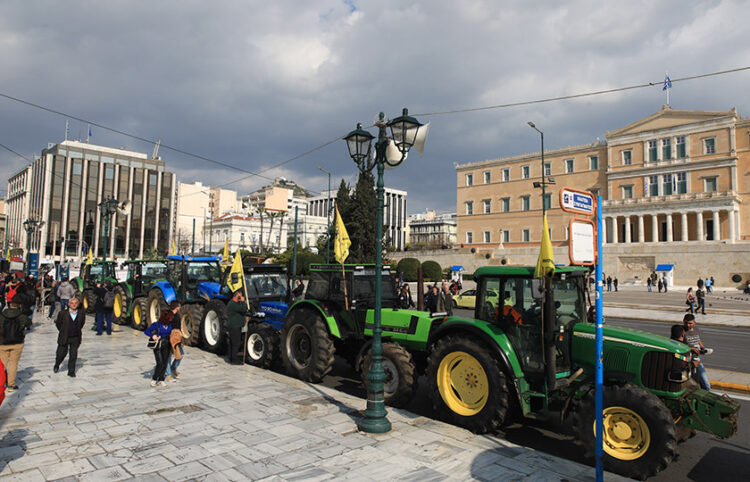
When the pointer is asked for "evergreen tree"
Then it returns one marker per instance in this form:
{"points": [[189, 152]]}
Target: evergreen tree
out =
{"points": [[362, 226]]}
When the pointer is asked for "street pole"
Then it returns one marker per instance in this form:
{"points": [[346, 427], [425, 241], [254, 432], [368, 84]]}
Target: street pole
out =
{"points": [[598, 342], [544, 206], [211, 235], [192, 251], [294, 250], [328, 217]]}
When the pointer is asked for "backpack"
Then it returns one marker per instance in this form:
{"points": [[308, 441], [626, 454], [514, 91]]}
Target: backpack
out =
{"points": [[13, 331], [109, 299], [11, 293]]}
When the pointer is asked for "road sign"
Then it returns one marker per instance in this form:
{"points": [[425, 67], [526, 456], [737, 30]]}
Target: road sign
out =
{"points": [[576, 201], [582, 242], [33, 260]]}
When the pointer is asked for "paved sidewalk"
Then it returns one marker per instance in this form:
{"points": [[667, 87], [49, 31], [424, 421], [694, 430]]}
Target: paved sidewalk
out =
{"points": [[222, 422]]}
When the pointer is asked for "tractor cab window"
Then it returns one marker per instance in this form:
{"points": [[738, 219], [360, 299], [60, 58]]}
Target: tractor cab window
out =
{"points": [[153, 271], [200, 271], [569, 301], [363, 290], [132, 273], [101, 270], [266, 285], [317, 287], [174, 272]]}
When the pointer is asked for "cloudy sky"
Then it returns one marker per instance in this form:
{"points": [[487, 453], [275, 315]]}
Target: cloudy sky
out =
{"points": [[253, 84]]}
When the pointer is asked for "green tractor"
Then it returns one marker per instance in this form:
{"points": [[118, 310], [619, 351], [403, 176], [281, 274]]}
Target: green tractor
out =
{"points": [[88, 277], [131, 295], [528, 353]]}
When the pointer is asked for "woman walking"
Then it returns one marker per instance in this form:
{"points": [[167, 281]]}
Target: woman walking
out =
{"points": [[690, 301], [159, 332]]}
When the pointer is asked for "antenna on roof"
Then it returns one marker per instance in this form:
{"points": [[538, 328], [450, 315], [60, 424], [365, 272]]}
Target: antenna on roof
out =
{"points": [[156, 149]]}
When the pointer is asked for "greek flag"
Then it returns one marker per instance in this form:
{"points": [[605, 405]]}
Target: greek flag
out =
{"points": [[667, 83]]}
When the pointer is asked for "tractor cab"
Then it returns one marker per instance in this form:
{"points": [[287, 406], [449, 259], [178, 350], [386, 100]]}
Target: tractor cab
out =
{"points": [[142, 274], [194, 277], [98, 270]]}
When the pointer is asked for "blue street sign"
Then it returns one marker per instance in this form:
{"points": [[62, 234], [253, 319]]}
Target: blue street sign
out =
{"points": [[33, 260], [576, 201]]}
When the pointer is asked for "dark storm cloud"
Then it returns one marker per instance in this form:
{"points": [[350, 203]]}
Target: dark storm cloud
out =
{"points": [[255, 83]]}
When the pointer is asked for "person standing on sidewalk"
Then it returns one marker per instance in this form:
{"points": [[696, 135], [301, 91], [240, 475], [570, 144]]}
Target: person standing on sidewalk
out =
{"points": [[236, 319], [693, 340], [700, 297], [615, 282], [664, 280], [159, 331], [105, 303], [69, 325], [175, 342], [65, 292], [648, 284], [690, 300], [660, 285], [13, 326]]}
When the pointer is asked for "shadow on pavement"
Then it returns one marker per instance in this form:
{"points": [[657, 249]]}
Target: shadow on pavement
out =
{"points": [[734, 464], [12, 447]]}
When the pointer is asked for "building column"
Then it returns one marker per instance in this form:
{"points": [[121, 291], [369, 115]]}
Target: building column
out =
{"points": [[604, 230], [627, 229], [717, 226], [615, 231], [127, 224], [730, 218], [669, 228], [684, 226], [654, 228], [641, 234], [699, 225]]}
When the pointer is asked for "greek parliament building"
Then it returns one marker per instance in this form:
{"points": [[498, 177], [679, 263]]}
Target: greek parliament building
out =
{"points": [[64, 187], [675, 188]]}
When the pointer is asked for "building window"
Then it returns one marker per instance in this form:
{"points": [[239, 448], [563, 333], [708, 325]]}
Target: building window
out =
{"points": [[666, 148], [547, 201], [525, 173], [506, 204], [547, 169], [525, 203], [594, 163], [710, 184], [627, 157], [681, 148], [709, 145], [668, 186], [486, 206], [469, 237], [486, 236], [486, 177], [681, 182], [470, 179], [652, 185], [651, 151], [469, 207], [526, 236], [506, 174], [568, 166], [627, 192], [506, 236]]}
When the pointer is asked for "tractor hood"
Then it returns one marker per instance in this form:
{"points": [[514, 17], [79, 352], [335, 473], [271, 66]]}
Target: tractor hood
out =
{"points": [[209, 290], [614, 335]]}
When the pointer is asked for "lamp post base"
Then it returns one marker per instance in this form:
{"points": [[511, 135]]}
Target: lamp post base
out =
{"points": [[374, 424]]}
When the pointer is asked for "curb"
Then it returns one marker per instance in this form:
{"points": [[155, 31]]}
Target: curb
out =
{"points": [[703, 323], [735, 387]]}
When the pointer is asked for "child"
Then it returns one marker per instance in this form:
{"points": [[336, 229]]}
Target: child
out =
{"points": [[160, 331]]}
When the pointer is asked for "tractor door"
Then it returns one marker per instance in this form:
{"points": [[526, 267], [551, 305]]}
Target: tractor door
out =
{"points": [[174, 275], [570, 308]]}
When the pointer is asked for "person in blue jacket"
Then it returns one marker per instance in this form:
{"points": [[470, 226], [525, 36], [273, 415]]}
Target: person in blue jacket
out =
{"points": [[159, 332]]}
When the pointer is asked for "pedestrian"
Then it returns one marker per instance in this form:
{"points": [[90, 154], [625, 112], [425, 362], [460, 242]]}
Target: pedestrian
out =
{"points": [[175, 340], [158, 333], [648, 284], [236, 320], [660, 285], [609, 283], [299, 290], [445, 301], [65, 292], [405, 300], [13, 326], [614, 282], [52, 297], [690, 301], [711, 285], [104, 305], [69, 325], [664, 280], [693, 340], [431, 300], [699, 283], [3, 282], [700, 297]]}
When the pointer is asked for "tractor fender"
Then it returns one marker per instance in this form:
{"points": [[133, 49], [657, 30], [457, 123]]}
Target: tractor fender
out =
{"points": [[166, 290], [127, 288], [330, 321], [78, 281]]}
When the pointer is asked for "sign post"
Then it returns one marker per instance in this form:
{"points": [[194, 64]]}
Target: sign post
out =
{"points": [[599, 374]]}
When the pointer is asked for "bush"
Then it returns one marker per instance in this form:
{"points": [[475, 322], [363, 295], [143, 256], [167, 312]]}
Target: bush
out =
{"points": [[431, 271], [408, 266]]}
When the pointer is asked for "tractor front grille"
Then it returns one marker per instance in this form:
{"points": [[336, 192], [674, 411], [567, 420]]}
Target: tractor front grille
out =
{"points": [[665, 371]]}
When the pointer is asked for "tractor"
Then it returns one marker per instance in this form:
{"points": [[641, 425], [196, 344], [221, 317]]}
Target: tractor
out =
{"points": [[192, 281], [88, 277], [131, 295]]}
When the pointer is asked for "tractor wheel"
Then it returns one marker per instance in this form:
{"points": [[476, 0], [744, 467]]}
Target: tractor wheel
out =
{"points": [[89, 300], [638, 431], [400, 374], [120, 309], [190, 316], [155, 305], [466, 383], [306, 347], [213, 335], [262, 347], [139, 316]]}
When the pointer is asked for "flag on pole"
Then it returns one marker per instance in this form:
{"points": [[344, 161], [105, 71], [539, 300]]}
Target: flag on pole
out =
{"points": [[173, 251], [341, 247], [667, 83], [7, 254], [545, 264], [89, 131], [236, 279], [90, 258], [225, 255]]}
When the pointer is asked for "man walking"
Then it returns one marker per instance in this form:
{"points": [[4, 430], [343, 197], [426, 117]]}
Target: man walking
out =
{"points": [[236, 319], [693, 340], [65, 292], [445, 302], [105, 302], [69, 325], [13, 326], [700, 297]]}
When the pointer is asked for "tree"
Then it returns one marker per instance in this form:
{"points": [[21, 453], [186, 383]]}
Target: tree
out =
{"points": [[305, 258], [362, 225], [431, 271], [408, 266]]}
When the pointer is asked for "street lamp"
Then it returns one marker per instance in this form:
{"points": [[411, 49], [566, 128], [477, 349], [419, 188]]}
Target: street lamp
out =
{"points": [[404, 133], [328, 217], [30, 226], [107, 208], [544, 182]]}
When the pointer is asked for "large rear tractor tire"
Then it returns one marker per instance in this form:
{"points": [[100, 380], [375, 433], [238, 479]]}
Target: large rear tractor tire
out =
{"points": [[139, 317], [400, 374], [155, 305], [120, 309], [467, 386], [306, 347], [89, 300], [638, 431], [190, 316], [262, 347], [213, 334]]}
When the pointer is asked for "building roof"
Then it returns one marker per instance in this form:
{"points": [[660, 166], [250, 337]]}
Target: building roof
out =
{"points": [[667, 118]]}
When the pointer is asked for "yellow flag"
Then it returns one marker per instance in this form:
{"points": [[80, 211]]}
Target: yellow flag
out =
{"points": [[225, 255], [90, 258], [173, 251], [236, 278], [545, 265], [7, 254], [341, 247]]}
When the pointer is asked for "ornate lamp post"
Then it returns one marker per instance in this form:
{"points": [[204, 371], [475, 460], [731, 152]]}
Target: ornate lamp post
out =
{"points": [[404, 133], [328, 217], [30, 226], [549, 180], [107, 208]]}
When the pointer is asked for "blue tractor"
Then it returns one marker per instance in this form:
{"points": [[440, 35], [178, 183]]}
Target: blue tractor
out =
{"points": [[193, 281]]}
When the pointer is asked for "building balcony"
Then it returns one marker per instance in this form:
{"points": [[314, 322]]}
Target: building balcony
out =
{"points": [[671, 200]]}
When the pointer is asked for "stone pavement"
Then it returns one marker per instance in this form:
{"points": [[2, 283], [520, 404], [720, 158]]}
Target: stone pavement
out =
{"points": [[222, 422]]}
